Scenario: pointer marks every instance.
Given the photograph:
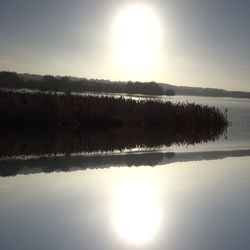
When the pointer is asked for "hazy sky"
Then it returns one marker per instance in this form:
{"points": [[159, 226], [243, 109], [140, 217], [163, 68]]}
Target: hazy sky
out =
{"points": [[202, 42]]}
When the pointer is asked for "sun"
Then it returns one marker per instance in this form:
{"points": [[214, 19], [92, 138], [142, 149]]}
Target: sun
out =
{"points": [[137, 37]]}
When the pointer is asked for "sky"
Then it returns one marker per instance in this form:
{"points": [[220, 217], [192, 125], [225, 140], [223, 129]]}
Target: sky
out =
{"points": [[202, 43]]}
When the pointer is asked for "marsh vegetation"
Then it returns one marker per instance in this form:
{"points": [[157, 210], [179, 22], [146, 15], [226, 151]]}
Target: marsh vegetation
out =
{"points": [[46, 111], [41, 123]]}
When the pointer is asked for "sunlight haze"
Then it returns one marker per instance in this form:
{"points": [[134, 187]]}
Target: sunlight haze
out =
{"points": [[137, 36], [191, 43]]}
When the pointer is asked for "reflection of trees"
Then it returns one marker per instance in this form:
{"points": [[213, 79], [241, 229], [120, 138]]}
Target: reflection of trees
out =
{"points": [[69, 163], [65, 163]]}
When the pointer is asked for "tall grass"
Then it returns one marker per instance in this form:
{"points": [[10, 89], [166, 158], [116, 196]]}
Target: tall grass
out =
{"points": [[53, 111]]}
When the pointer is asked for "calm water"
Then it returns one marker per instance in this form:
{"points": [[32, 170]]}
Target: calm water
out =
{"points": [[188, 198]]}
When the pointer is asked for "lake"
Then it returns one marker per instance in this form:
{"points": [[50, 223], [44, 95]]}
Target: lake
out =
{"points": [[179, 197]]}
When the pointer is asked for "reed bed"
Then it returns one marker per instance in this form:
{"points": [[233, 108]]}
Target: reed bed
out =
{"points": [[45, 111]]}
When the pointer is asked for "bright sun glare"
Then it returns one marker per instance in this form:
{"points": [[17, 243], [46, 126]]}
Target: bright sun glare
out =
{"points": [[137, 35], [137, 212]]}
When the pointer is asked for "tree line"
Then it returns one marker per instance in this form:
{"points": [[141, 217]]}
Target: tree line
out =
{"points": [[12, 80]]}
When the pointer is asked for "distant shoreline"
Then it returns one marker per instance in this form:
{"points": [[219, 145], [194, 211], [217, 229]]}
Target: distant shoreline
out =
{"points": [[25, 90], [13, 80]]}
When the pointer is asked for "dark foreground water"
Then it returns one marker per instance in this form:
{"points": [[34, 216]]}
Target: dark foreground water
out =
{"points": [[178, 197]]}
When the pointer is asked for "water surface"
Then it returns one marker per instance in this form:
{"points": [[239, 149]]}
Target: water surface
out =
{"points": [[192, 205], [177, 197]]}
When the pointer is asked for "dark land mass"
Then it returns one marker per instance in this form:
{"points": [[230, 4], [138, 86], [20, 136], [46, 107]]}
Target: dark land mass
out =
{"points": [[13, 80], [206, 92], [78, 85]]}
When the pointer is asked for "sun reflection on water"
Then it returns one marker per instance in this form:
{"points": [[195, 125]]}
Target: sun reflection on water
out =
{"points": [[137, 211]]}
